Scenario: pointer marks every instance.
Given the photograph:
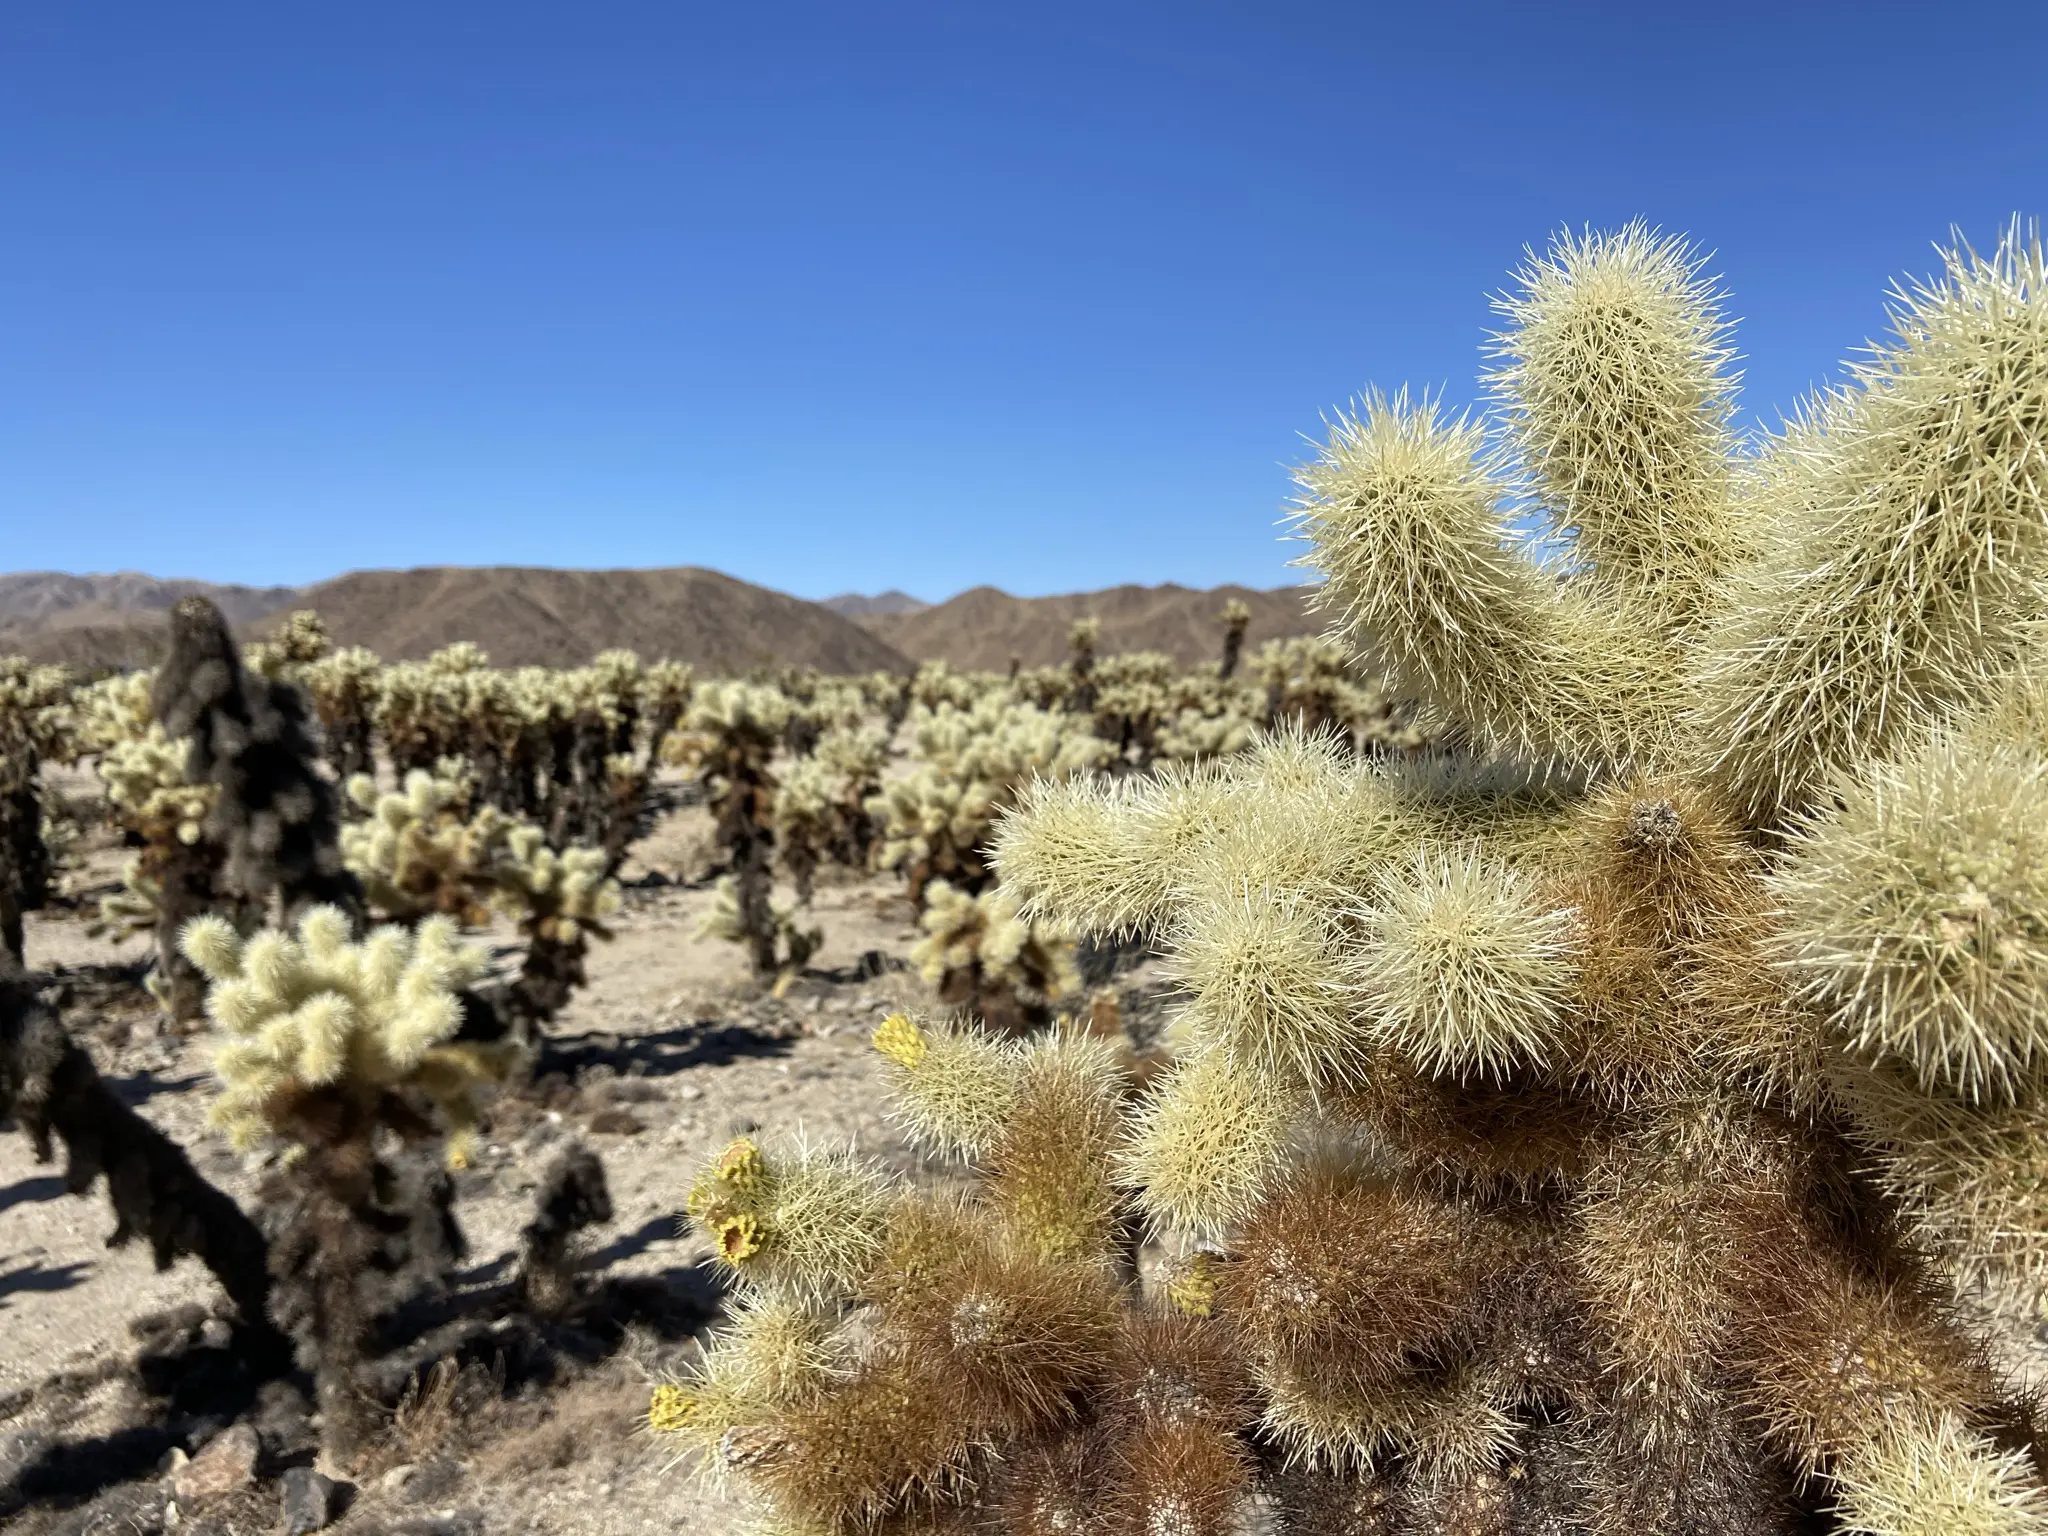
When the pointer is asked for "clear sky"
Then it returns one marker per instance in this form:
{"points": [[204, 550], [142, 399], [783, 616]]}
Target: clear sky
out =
{"points": [[854, 296]]}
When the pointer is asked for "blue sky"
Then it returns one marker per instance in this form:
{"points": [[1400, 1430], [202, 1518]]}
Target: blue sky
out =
{"points": [[856, 296]]}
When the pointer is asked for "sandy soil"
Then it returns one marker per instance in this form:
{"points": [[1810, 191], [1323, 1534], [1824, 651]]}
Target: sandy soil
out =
{"points": [[674, 1049]]}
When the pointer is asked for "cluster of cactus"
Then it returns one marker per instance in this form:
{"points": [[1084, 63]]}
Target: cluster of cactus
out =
{"points": [[937, 824], [1149, 710], [342, 1046], [728, 737], [1316, 679], [821, 804], [1616, 1119], [560, 748], [343, 685], [427, 850], [297, 644], [819, 704], [174, 874]]}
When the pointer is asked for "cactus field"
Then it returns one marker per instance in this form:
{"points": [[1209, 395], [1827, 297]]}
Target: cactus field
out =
{"points": [[1556, 1052]]}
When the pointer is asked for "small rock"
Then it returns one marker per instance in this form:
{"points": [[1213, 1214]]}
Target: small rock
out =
{"points": [[310, 1501], [395, 1480], [226, 1465], [214, 1333]]}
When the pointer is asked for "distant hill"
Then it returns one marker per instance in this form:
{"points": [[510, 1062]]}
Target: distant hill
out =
{"points": [[115, 620], [522, 616], [984, 627], [537, 616], [854, 606], [37, 598], [532, 616]]}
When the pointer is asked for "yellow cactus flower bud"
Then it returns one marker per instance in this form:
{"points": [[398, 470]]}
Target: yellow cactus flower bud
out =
{"points": [[900, 1040], [738, 1236], [741, 1165], [1192, 1290], [671, 1409]]}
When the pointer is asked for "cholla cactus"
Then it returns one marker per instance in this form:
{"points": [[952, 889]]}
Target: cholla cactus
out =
{"points": [[1045, 687], [733, 918], [416, 850], [821, 804], [1193, 734], [885, 1342], [729, 735], [176, 874], [35, 721], [617, 684], [938, 821], [1081, 642], [343, 686], [334, 1044], [275, 814], [889, 693], [936, 684], [1134, 696], [825, 705], [300, 642], [599, 785], [1315, 681], [1236, 620], [664, 694], [561, 900], [981, 955], [1590, 1126], [323, 1030], [560, 749], [423, 707], [422, 852]]}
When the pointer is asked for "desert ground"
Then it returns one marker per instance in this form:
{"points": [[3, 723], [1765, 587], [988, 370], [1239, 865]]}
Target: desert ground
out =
{"points": [[672, 1050]]}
